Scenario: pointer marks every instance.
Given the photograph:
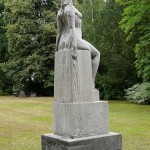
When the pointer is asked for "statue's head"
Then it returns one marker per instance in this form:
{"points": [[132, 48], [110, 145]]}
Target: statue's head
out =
{"points": [[66, 2]]}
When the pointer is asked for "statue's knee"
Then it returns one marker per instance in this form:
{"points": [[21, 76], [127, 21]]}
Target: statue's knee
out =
{"points": [[98, 54]]}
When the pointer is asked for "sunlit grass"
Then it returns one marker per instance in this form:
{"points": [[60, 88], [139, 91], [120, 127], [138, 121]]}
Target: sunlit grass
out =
{"points": [[22, 121], [133, 121]]}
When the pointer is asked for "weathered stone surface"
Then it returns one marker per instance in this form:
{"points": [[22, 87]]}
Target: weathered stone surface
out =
{"points": [[32, 94], [63, 84], [80, 119], [22, 94], [111, 141], [95, 95], [69, 35]]}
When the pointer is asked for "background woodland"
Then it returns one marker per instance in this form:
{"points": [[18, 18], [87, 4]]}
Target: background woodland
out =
{"points": [[119, 29]]}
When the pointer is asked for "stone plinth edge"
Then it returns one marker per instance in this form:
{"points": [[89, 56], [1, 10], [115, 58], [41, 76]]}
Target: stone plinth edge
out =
{"points": [[111, 141]]}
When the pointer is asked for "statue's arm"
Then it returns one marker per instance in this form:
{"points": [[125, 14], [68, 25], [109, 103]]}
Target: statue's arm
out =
{"points": [[78, 13], [71, 22], [59, 31]]}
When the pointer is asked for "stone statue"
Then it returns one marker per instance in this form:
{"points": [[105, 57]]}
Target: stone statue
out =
{"points": [[80, 119], [69, 21]]}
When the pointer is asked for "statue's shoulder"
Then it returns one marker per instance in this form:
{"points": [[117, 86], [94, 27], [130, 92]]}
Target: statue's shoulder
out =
{"points": [[70, 10]]}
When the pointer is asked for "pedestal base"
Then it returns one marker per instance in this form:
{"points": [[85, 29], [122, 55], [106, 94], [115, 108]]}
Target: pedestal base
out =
{"points": [[111, 141]]}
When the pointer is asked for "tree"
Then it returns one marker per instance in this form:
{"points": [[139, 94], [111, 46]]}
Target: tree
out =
{"points": [[3, 40], [5, 83], [116, 71], [135, 24], [31, 42]]}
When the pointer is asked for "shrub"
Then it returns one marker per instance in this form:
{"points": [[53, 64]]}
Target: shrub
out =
{"points": [[139, 93]]}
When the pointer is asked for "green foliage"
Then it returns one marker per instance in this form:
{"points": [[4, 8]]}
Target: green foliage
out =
{"points": [[3, 40], [101, 27], [5, 83], [31, 37], [139, 93], [31, 33], [135, 24]]}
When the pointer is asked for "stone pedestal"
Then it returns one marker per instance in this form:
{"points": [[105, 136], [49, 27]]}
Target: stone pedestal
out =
{"points": [[65, 74], [80, 120], [111, 141]]}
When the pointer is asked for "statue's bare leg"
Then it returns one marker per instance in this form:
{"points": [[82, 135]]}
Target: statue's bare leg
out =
{"points": [[95, 54]]}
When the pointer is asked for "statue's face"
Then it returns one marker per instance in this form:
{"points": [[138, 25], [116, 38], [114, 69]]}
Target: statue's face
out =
{"points": [[66, 2]]}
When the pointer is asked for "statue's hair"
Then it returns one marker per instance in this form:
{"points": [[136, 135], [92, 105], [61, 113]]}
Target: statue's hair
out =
{"points": [[70, 2]]}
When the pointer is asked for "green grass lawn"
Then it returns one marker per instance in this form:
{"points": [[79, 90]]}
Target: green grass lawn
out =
{"points": [[22, 121]]}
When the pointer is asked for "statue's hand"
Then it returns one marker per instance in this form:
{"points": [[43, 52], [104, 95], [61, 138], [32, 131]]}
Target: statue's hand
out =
{"points": [[74, 53]]}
